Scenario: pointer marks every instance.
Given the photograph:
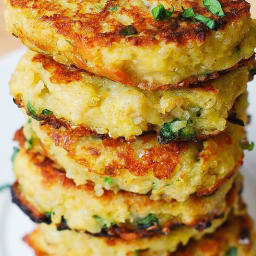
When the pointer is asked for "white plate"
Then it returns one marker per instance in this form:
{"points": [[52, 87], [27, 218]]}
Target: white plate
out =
{"points": [[13, 223]]}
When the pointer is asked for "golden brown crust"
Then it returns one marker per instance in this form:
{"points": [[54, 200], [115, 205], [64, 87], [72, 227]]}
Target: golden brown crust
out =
{"points": [[213, 243], [64, 74], [161, 158], [52, 174], [177, 29], [28, 239], [86, 33], [237, 232], [81, 130]]}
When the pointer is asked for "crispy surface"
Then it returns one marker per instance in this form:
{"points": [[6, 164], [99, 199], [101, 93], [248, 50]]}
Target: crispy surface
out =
{"points": [[237, 233], [173, 52], [48, 240], [39, 179], [172, 171], [45, 240], [77, 97]]}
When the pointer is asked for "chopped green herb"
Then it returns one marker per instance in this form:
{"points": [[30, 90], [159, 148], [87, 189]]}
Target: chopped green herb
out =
{"points": [[4, 186], [128, 31], [15, 152], [113, 8], [69, 42], [232, 252], [210, 23], [29, 121], [160, 13], [49, 214], [103, 222], [247, 146], [32, 112], [147, 222], [108, 180], [29, 144], [47, 112], [189, 13], [214, 7], [176, 130]]}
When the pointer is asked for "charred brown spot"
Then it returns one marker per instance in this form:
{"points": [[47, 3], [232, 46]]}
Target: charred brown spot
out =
{"points": [[26, 207], [86, 32], [175, 29]]}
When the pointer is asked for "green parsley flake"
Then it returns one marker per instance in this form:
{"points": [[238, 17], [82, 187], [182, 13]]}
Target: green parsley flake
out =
{"points": [[148, 221], [108, 180], [210, 23], [31, 110], [15, 152], [214, 7], [103, 222], [189, 13], [128, 31], [160, 13], [29, 144], [48, 215], [232, 252], [247, 146], [4, 186], [47, 112], [176, 130]]}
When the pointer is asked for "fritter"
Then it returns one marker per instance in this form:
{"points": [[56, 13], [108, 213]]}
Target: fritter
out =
{"points": [[172, 171], [46, 240], [149, 44], [50, 90], [46, 195], [235, 237]]}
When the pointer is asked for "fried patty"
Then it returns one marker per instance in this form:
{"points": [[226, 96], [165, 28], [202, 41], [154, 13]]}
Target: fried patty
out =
{"points": [[61, 243], [237, 233], [48, 89], [235, 237], [46, 195], [172, 171], [121, 40]]}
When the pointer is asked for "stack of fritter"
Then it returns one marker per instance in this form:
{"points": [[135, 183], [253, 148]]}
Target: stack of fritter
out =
{"points": [[135, 132]]}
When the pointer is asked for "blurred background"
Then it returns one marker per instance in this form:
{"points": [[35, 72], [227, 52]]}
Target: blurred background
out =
{"points": [[9, 43]]}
